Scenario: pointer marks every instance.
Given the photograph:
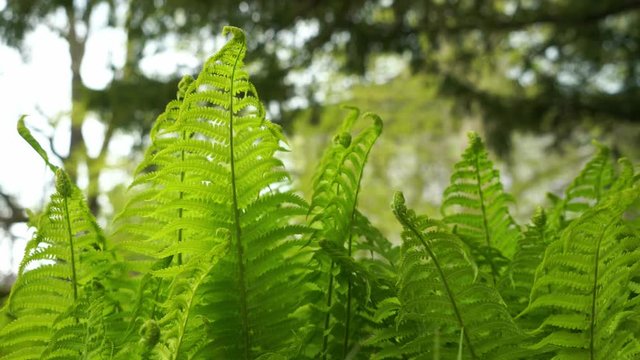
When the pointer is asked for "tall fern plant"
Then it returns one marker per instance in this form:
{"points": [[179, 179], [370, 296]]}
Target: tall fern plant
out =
{"points": [[214, 201]]}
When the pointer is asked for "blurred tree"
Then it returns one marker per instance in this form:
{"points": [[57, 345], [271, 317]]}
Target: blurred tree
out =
{"points": [[547, 65], [534, 65]]}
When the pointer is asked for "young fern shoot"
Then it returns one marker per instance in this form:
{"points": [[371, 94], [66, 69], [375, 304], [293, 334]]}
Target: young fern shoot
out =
{"points": [[333, 213]]}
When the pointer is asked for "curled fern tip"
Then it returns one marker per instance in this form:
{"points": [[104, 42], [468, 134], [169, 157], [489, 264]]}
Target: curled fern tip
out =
{"points": [[184, 85], [343, 139], [235, 31], [63, 183], [398, 200], [377, 121]]}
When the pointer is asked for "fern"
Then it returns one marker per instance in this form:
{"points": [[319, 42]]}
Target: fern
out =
{"points": [[582, 286], [591, 184], [516, 286], [138, 223], [378, 256], [185, 324], [475, 205], [211, 178], [49, 303], [333, 213], [441, 296], [586, 190], [149, 191]]}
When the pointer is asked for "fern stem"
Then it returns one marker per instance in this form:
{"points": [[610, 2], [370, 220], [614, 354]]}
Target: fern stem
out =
{"points": [[445, 284], [350, 282], [345, 349], [592, 325], [327, 318], [181, 196], [487, 236], [74, 280], [236, 220], [156, 299], [598, 183]]}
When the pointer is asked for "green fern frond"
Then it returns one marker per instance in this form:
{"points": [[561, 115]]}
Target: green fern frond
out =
{"points": [[585, 191], [590, 186], [210, 178], [626, 176], [441, 296], [333, 213], [52, 297], [582, 288], [92, 327], [376, 253], [28, 137], [475, 206], [515, 287], [61, 260], [182, 331], [149, 186]]}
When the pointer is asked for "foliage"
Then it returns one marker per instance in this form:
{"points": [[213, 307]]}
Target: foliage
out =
{"points": [[215, 256]]}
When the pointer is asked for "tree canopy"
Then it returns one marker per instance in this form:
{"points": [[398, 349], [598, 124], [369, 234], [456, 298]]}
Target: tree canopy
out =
{"points": [[533, 65]]}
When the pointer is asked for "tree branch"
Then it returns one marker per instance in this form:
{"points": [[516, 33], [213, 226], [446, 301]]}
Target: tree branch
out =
{"points": [[529, 18], [49, 138]]}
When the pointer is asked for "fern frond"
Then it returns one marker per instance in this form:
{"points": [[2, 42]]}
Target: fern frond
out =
{"points": [[134, 228], [212, 178], [333, 213], [475, 206], [92, 327], [25, 133], [582, 287], [515, 287], [376, 253], [63, 262], [441, 296], [590, 186], [182, 331], [64, 256]]}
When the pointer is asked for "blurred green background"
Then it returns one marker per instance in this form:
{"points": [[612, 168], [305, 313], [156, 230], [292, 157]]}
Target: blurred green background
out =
{"points": [[538, 79]]}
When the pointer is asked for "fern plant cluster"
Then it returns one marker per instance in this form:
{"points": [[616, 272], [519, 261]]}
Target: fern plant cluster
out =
{"points": [[216, 257]]}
